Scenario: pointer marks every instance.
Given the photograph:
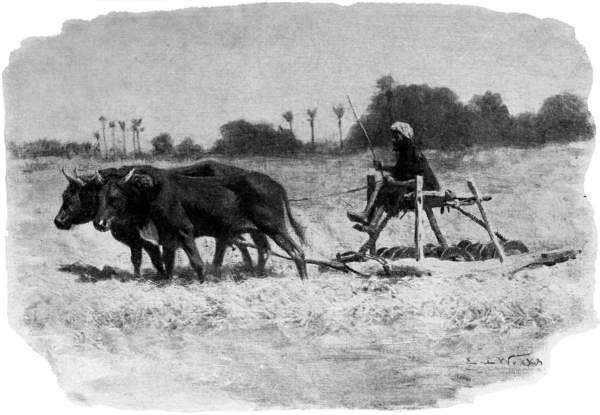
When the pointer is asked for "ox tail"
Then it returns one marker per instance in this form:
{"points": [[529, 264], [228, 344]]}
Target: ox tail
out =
{"points": [[299, 229]]}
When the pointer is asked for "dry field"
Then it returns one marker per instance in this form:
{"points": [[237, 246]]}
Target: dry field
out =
{"points": [[333, 341]]}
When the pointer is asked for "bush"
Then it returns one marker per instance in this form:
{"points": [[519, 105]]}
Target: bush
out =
{"points": [[44, 147], [491, 121], [523, 130], [242, 137], [162, 144], [50, 148], [438, 119], [188, 149], [78, 149], [564, 117]]}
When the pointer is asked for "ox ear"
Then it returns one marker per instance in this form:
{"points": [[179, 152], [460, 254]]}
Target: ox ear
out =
{"points": [[98, 178], [138, 179]]}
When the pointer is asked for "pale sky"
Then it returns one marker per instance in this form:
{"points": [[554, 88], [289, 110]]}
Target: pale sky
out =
{"points": [[187, 72]]}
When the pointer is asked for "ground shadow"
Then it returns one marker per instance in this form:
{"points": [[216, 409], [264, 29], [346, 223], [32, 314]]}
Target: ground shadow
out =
{"points": [[87, 273]]}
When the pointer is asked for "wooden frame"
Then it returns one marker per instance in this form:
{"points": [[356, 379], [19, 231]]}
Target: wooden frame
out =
{"points": [[424, 202]]}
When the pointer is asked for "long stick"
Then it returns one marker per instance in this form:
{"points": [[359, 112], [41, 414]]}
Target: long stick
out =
{"points": [[486, 221], [364, 131], [479, 222], [330, 264], [419, 218]]}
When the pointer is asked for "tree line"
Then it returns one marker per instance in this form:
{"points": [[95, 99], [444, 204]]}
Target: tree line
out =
{"points": [[237, 138], [438, 118], [162, 146], [441, 121]]}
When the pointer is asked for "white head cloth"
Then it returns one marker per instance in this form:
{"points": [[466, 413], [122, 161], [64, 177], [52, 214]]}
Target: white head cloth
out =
{"points": [[403, 128]]}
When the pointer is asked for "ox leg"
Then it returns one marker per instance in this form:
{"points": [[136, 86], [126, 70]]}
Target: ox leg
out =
{"points": [[153, 252], [245, 255], [286, 243], [169, 261], [136, 259], [262, 243], [189, 246], [220, 248]]}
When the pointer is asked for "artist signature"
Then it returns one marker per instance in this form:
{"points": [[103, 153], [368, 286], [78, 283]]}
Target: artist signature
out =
{"points": [[524, 359]]}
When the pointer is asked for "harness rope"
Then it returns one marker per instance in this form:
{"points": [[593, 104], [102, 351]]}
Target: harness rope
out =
{"points": [[303, 199]]}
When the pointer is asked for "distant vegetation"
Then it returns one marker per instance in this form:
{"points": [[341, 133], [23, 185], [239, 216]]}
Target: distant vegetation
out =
{"points": [[242, 137], [187, 149], [45, 147], [439, 119], [162, 144]]}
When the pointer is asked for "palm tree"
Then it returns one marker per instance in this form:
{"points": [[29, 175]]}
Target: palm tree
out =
{"points": [[136, 129], [102, 120], [112, 125], [288, 116], [122, 126], [312, 113], [97, 145], [140, 130], [339, 110]]}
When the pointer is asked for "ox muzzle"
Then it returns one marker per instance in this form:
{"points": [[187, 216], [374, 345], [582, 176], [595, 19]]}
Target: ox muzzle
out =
{"points": [[61, 222]]}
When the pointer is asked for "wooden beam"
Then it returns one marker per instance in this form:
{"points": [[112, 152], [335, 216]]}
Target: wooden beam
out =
{"points": [[436, 198], [373, 230], [486, 221], [435, 227], [419, 218], [479, 222]]}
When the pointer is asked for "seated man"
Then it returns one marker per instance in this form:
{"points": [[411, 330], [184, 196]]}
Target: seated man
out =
{"points": [[410, 162]]}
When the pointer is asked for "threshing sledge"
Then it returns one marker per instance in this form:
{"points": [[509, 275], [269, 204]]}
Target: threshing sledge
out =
{"points": [[422, 203]]}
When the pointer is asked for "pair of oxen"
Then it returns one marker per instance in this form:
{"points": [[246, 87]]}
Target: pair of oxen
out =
{"points": [[148, 208]]}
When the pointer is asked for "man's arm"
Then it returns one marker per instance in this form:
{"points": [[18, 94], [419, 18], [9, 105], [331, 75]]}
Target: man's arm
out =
{"points": [[378, 166]]}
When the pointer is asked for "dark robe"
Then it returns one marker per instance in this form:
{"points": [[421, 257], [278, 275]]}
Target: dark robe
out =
{"points": [[410, 162]]}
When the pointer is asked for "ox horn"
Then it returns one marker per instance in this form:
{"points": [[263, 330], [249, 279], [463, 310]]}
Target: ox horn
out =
{"points": [[129, 175], [72, 178]]}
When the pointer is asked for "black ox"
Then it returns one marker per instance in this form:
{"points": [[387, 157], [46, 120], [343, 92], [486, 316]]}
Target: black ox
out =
{"points": [[179, 208], [80, 203]]}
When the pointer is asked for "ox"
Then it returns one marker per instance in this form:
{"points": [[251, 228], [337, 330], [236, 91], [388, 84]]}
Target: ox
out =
{"points": [[181, 208], [80, 204]]}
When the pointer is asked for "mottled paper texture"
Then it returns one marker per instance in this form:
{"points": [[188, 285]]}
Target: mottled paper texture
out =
{"points": [[495, 99]]}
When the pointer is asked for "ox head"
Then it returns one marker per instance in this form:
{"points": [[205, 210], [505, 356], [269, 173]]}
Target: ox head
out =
{"points": [[121, 199], [79, 200]]}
